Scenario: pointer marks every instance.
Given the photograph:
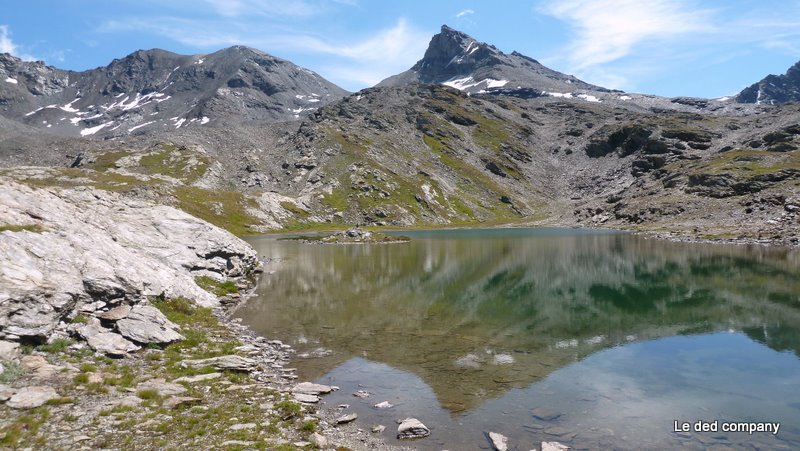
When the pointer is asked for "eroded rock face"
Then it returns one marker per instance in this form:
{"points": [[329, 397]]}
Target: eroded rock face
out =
{"points": [[92, 246]]}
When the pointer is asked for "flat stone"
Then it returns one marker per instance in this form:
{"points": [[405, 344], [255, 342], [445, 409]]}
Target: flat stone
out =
{"points": [[306, 398], [31, 397], [146, 324], [383, 405], [198, 378], [225, 362], [236, 443], [111, 344], [9, 350], [241, 426], [499, 441], [161, 386], [412, 428], [378, 429], [350, 417], [115, 314], [311, 388], [554, 446]]}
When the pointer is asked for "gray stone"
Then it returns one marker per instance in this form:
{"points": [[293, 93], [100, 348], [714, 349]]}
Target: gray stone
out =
{"points": [[9, 350], [241, 426], [412, 428], [499, 441], [554, 446], [306, 398], [383, 405], [115, 314], [111, 343], [378, 429], [319, 440], [311, 388], [31, 397], [350, 417], [363, 394], [198, 378], [129, 401], [38, 366], [225, 362], [101, 247], [146, 324]]}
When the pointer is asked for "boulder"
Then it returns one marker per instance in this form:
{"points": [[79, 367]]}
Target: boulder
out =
{"points": [[305, 398], [98, 247], [348, 418], [318, 440], [111, 344], [499, 441], [161, 386], [38, 366], [146, 324], [31, 397], [6, 392], [412, 428], [9, 350]]}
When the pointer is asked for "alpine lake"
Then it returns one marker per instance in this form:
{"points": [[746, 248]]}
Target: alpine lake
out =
{"points": [[591, 338]]}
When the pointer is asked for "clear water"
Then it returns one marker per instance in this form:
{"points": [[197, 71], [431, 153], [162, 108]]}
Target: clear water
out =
{"points": [[609, 338]]}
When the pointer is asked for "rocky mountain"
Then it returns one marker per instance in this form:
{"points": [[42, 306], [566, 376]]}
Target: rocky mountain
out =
{"points": [[774, 89], [457, 60], [155, 91]]}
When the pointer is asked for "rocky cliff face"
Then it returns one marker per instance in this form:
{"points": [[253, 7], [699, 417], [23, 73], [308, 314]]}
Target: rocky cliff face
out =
{"points": [[156, 91], [64, 252], [774, 89], [457, 60]]}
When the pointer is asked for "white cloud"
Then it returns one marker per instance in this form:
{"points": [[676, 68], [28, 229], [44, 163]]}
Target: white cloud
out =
{"points": [[8, 46], [465, 12], [235, 8], [608, 30]]}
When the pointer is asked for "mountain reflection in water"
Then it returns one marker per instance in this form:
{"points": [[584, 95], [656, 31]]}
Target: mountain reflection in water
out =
{"points": [[475, 314]]}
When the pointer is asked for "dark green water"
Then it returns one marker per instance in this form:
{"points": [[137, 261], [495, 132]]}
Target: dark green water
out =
{"points": [[613, 335]]}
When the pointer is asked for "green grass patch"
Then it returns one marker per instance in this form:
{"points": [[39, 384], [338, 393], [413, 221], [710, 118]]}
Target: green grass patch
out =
{"points": [[215, 287], [57, 345], [24, 428], [182, 311], [35, 228], [295, 209], [225, 209]]}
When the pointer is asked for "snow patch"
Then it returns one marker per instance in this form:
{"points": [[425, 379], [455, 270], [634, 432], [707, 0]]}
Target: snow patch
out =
{"points": [[139, 126], [179, 122], [93, 130], [589, 98], [200, 61], [204, 120], [563, 95], [68, 107], [13, 81], [625, 97]]}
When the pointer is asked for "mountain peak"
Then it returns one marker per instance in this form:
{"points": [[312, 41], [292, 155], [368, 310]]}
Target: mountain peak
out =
{"points": [[774, 89], [458, 60]]}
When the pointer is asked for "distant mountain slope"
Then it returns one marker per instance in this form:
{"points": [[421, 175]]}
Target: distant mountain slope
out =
{"points": [[155, 90], [774, 89], [457, 60]]}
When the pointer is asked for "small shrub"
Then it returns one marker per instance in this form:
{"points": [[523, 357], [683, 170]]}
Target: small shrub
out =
{"points": [[57, 345], [309, 426], [12, 371], [148, 394], [215, 287], [288, 409], [88, 368], [81, 378], [80, 318]]}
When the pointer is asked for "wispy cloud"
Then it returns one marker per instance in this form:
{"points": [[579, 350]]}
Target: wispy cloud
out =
{"points": [[8, 46], [359, 61], [236, 8], [464, 13], [607, 30]]}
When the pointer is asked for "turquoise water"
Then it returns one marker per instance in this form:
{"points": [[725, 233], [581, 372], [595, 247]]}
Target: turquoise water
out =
{"points": [[609, 338]]}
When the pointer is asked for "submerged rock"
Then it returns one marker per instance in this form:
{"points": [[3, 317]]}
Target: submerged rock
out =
{"points": [[554, 446], [350, 417], [412, 428]]}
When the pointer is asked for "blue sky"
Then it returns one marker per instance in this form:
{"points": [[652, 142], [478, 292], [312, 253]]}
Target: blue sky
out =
{"points": [[666, 47]]}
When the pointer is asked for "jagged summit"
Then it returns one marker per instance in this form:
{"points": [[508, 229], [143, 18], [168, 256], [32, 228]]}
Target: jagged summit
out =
{"points": [[458, 60], [774, 89], [156, 91]]}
